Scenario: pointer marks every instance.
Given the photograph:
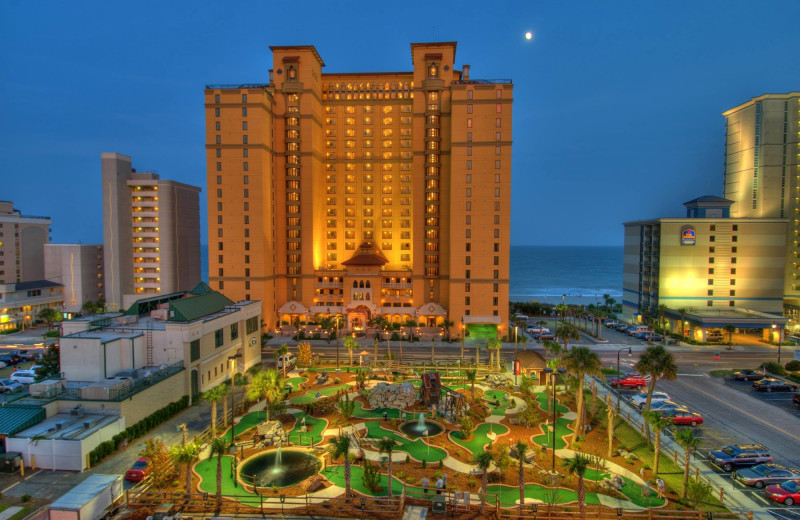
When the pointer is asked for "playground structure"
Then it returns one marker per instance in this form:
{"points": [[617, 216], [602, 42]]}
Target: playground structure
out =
{"points": [[447, 401]]}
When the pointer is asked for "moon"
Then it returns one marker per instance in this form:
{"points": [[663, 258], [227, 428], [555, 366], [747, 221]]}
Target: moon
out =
{"points": [[529, 35]]}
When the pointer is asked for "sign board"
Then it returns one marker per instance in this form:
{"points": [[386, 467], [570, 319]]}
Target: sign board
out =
{"points": [[688, 236], [439, 504], [716, 356]]}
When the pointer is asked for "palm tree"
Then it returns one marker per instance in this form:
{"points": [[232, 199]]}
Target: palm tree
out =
{"points": [[483, 460], [522, 450], [493, 346], [608, 301], [578, 465], [685, 438], [523, 340], [657, 363], [471, 375], [567, 333], [215, 395], [683, 311], [658, 422], [730, 329], [185, 454], [581, 361], [350, 344], [267, 385], [219, 446], [280, 351], [447, 324], [340, 446], [386, 445], [610, 423], [49, 315]]}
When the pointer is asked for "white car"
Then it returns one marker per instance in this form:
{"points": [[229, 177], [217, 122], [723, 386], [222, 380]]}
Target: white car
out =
{"points": [[639, 400], [287, 359], [24, 376]]}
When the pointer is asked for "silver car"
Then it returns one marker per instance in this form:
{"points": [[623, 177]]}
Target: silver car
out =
{"points": [[765, 474], [665, 406]]}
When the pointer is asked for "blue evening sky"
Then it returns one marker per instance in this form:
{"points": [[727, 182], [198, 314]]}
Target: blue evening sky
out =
{"points": [[617, 105]]}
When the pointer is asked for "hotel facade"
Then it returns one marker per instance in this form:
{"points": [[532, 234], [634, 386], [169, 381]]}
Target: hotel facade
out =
{"points": [[362, 194]]}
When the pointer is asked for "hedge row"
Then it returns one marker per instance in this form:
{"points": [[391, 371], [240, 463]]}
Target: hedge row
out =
{"points": [[135, 431]]}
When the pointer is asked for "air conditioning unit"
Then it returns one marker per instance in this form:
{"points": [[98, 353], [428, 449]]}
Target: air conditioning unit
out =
{"points": [[77, 411]]}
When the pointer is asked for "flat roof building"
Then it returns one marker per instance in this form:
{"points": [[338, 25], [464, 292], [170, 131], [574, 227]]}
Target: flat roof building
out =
{"points": [[362, 194], [79, 268], [22, 238], [151, 233], [21, 302]]}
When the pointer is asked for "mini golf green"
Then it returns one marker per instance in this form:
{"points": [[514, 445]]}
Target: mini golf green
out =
{"points": [[480, 437], [491, 396], [541, 398], [509, 495], [417, 449], [311, 395], [374, 413], [295, 382], [316, 425], [630, 489], [562, 429], [247, 421], [336, 475]]}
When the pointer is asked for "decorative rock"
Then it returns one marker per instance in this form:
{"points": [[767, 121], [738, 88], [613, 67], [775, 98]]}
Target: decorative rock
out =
{"points": [[497, 380], [312, 483], [272, 433], [392, 396]]}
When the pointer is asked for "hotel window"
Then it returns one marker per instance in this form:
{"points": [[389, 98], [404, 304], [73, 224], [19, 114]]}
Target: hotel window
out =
{"points": [[710, 281], [733, 292], [711, 292], [367, 120], [219, 206], [219, 179], [469, 164], [733, 260], [733, 282], [469, 109], [497, 122], [245, 167], [733, 249], [469, 151], [244, 125], [469, 137], [244, 98], [497, 164], [218, 126], [368, 132], [711, 249], [244, 139], [468, 233], [734, 238], [499, 109], [219, 139], [736, 227], [469, 122], [496, 247], [216, 112], [469, 205], [711, 260], [496, 233], [497, 220], [496, 274], [495, 287], [216, 98], [219, 193], [469, 220], [733, 270], [244, 152], [219, 153], [710, 270], [712, 227], [497, 136], [709, 303]]}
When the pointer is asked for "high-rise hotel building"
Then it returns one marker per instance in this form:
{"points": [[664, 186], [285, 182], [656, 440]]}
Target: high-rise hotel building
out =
{"points": [[362, 194], [762, 171]]}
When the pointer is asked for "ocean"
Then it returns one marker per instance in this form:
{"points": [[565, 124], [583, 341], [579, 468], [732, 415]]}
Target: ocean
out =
{"points": [[548, 274]]}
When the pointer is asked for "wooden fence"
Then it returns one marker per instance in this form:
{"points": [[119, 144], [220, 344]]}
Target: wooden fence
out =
{"points": [[600, 512]]}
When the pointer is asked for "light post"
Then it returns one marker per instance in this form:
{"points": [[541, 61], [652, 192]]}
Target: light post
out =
{"points": [[232, 359], [337, 342], [516, 331], [780, 338], [549, 370], [619, 374], [463, 332]]}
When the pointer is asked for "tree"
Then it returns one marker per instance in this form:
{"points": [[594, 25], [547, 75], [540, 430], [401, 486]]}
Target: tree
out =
{"points": [[280, 351], [658, 423], [219, 446], [730, 329], [465, 427], [567, 333], [340, 446], [578, 465], [386, 445], [50, 362], [186, 455], [610, 425], [90, 307], [683, 311], [346, 406], [483, 460], [471, 375], [49, 315], [350, 344], [268, 385], [447, 324], [581, 361], [522, 450], [609, 301], [304, 354], [658, 363], [493, 346], [215, 395], [162, 471], [523, 340], [686, 439]]}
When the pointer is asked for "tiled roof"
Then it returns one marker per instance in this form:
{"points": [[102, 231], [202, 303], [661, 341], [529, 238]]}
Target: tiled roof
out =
{"points": [[367, 255]]}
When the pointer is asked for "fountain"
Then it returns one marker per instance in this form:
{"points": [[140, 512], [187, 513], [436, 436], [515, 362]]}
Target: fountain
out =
{"points": [[421, 428], [279, 468]]}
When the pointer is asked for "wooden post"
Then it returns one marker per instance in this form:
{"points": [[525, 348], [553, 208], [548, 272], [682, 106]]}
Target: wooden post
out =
{"points": [[721, 496], [697, 473]]}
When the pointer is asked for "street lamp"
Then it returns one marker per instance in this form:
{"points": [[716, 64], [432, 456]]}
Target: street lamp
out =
{"points": [[463, 332], [780, 339], [619, 374], [549, 370], [337, 338], [232, 359], [515, 354]]}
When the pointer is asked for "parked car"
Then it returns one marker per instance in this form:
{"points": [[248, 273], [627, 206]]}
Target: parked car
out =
{"points": [[610, 323], [632, 331], [139, 470], [28, 355], [683, 417], [739, 456], [7, 385], [748, 375], [796, 399], [622, 327], [287, 359], [787, 493], [631, 380], [764, 474], [545, 334], [9, 359], [24, 376], [536, 329], [639, 400], [664, 406], [770, 384]]}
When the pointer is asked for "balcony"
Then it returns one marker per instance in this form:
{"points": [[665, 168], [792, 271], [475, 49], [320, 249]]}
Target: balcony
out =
{"points": [[329, 285], [397, 285]]}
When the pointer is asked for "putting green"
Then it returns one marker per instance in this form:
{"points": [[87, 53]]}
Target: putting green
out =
{"points": [[562, 429], [316, 425], [481, 332], [311, 395], [248, 421], [480, 437], [376, 413], [509, 495], [500, 396], [336, 475], [295, 382], [417, 448], [541, 398]]}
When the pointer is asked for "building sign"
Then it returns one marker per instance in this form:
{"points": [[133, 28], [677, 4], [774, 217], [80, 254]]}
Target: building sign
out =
{"points": [[687, 237]]}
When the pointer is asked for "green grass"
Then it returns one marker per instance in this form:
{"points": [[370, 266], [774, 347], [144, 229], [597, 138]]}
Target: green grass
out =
{"points": [[22, 513], [310, 396], [336, 475], [721, 373], [376, 413], [417, 448], [295, 382], [510, 494], [498, 395], [315, 435], [207, 469], [248, 421], [541, 398], [481, 332], [479, 437], [562, 429]]}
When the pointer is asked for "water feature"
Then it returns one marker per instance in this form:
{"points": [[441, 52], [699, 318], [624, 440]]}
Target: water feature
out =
{"points": [[279, 468], [421, 428]]}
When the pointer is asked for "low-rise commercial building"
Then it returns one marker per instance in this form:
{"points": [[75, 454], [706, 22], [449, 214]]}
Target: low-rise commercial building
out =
{"points": [[21, 302]]}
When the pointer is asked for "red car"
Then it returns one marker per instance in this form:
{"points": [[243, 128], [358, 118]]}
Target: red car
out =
{"points": [[138, 471], [633, 380], [683, 417], [787, 493]]}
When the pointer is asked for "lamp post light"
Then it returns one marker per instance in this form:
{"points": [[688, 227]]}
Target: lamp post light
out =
{"points": [[619, 374], [514, 368], [549, 370], [232, 359], [779, 332], [463, 332]]}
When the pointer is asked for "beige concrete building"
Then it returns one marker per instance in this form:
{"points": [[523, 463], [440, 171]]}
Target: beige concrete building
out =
{"points": [[721, 270], [362, 194], [762, 172], [22, 238], [79, 269], [151, 233], [21, 302]]}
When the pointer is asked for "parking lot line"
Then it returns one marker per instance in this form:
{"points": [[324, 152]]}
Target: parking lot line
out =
{"points": [[775, 511]]}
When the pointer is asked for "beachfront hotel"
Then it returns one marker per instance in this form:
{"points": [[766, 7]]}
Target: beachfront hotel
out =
{"points": [[362, 194], [762, 172]]}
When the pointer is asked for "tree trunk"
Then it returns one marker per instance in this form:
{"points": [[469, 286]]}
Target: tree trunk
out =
{"points": [[225, 412], [521, 483], [347, 474], [214, 417], [579, 405], [390, 475], [349, 351], [219, 481], [484, 481], [686, 471], [581, 496], [657, 443], [188, 477], [610, 431], [650, 388]]}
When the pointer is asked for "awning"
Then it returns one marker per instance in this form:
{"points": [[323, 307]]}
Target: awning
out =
{"points": [[14, 419]]}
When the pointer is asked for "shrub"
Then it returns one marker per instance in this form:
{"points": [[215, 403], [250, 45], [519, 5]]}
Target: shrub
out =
{"points": [[25, 498], [441, 464], [408, 459], [424, 463], [697, 491], [371, 478], [472, 483], [774, 367], [793, 365]]}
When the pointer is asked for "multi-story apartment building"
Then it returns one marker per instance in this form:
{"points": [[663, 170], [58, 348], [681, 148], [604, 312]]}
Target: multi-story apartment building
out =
{"points": [[718, 269], [22, 238], [151, 233], [21, 302], [762, 171], [79, 268], [362, 194]]}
